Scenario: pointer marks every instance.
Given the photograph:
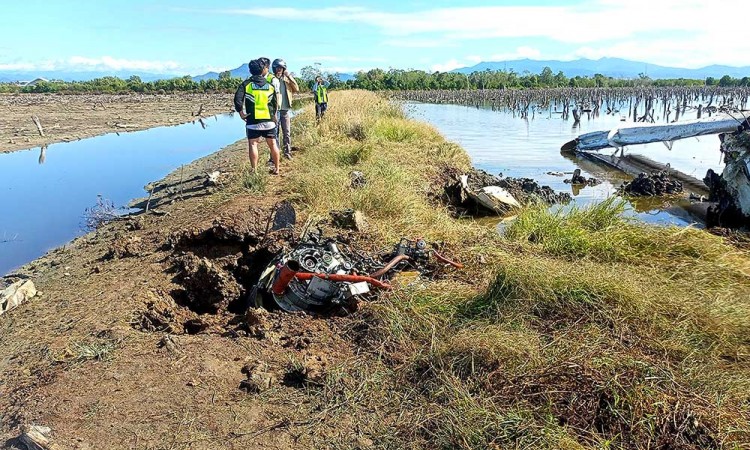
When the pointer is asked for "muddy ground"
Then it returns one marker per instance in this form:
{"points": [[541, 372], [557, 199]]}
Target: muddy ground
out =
{"points": [[71, 117], [114, 354]]}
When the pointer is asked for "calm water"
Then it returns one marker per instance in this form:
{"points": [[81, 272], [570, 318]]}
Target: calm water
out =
{"points": [[42, 203], [498, 142]]}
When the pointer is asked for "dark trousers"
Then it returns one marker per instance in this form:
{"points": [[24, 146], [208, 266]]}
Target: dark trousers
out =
{"points": [[320, 110]]}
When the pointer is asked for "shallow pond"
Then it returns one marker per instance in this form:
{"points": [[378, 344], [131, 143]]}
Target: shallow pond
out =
{"points": [[45, 193], [500, 142]]}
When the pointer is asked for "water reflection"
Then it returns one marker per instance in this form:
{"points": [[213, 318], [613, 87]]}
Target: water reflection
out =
{"points": [[43, 154], [44, 191]]}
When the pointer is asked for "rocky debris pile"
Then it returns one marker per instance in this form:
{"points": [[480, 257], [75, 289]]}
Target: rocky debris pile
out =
{"points": [[579, 179], [526, 190], [523, 190], [652, 185]]}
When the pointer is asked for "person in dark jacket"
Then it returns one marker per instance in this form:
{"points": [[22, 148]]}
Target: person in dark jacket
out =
{"points": [[258, 97]]}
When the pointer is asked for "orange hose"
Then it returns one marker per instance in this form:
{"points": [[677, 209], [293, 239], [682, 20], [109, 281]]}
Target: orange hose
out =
{"points": [[347, 278], [391, 264], [442, 258]]}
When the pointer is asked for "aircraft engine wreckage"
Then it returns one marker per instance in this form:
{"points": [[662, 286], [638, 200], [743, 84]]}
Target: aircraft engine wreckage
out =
{"points": [[320, 275]]}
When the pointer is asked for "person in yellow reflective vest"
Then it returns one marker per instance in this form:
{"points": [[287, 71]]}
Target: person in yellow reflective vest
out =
{"points": [[256, 102], [320, 92]]}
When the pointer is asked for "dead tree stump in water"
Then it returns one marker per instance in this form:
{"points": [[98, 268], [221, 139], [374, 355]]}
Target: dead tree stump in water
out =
{"points": [[38, 124]]}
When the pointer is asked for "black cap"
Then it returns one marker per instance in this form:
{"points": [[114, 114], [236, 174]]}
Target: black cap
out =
{"points": [[255, 66]]}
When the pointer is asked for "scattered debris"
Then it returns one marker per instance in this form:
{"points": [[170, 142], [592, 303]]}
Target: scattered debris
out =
{"points": [[36, 437], [15, 294], [284, 217], [357, 179], [528, 191], [167, 342], [492, 197], [158, 316], [322, 274], [38, 124], [212, 179], [579, 179], [651, 185], [311, 371], [258, 322], [479, 192]]}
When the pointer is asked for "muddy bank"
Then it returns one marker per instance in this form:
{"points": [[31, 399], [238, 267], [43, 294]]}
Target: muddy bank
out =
{"points": [[72, 117]]}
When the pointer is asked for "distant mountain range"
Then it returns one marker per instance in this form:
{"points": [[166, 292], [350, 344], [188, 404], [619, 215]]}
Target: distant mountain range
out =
{"points": [[611, 67], [242, 72]]}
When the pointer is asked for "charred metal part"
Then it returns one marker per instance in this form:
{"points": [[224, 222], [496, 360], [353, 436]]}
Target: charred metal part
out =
{"points": [[320, 275], [731, 189]]}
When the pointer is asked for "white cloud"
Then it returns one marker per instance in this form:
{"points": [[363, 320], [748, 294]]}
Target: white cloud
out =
{"points": [[678, 23], [519, 53], [109, 63], [321, 59], [419, 43], [103, 64], [447, 67], [16, 66]]}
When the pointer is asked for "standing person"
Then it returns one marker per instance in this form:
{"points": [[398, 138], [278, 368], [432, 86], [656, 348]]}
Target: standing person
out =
{"points": [[287, 88], [320, 91], [258, 97]]}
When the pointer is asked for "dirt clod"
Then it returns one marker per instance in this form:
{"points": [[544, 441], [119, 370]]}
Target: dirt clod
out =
{"points": [[125, 247], [258, 378], [258, 322], [208, 287]]}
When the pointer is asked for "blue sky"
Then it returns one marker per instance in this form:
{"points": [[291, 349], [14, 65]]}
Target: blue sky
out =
{"points": [[191, 36]]}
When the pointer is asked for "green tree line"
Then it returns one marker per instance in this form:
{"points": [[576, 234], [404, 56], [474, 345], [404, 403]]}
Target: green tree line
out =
{"points": [[396, 79], [374, 80]]}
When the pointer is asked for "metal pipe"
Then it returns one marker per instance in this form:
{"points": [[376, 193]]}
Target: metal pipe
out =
{"points": [[288, 271], [391, 264], [346, 278]]}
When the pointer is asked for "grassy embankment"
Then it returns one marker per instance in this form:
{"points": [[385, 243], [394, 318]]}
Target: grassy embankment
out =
{"points": [[584, 330]]}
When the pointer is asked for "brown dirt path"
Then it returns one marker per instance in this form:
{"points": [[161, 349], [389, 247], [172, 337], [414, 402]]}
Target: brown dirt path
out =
{"points": [[73, 117]]}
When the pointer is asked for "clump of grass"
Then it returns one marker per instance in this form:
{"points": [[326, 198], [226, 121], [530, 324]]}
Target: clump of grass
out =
{"points": [[254, 181], [350, 156]]}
